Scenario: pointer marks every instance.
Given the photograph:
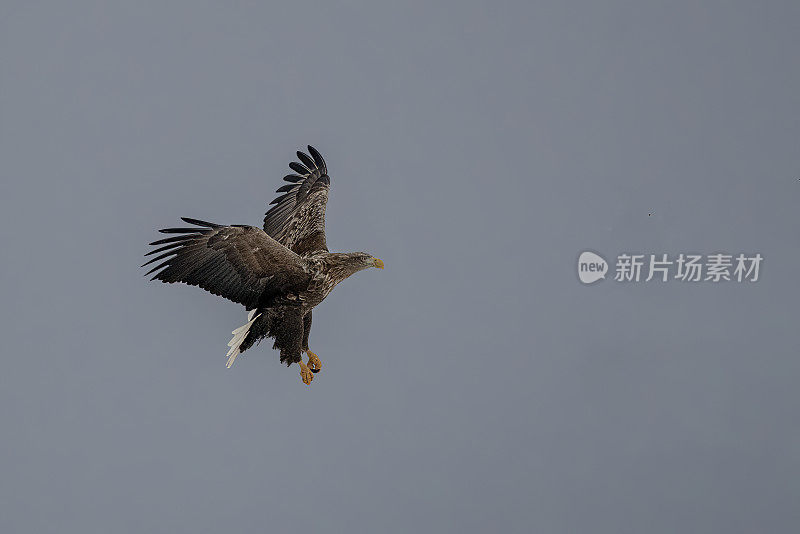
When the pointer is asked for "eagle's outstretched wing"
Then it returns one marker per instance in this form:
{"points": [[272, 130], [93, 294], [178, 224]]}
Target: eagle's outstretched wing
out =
{"points": [[297, 220], [239, 263]]}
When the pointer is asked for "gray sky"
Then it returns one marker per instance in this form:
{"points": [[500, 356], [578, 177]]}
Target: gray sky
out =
{"points": [[474, 385]]}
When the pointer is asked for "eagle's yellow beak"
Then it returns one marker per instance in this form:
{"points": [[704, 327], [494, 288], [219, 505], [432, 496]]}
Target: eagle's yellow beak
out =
{"points": [[378, 263]]}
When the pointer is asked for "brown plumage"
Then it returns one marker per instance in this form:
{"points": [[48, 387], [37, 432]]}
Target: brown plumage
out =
{"points": [[297, 219], [279, 273]]}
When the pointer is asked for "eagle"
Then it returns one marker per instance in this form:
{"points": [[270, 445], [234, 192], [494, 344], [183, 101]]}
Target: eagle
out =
{"points": [[279, 273]]}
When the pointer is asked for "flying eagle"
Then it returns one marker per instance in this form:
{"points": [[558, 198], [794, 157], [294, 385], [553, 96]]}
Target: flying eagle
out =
{"points": [[279, 273]]}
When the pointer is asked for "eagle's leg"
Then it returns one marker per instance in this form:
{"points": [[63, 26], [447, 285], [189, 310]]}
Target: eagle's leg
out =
{"points": [[289, 337], [305, 373], [314, 363]]}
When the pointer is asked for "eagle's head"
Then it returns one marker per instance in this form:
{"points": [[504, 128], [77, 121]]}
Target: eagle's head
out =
{"points": [[362, 260], [340, 265]]}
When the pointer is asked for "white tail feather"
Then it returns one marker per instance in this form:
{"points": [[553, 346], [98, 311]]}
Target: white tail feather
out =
{"points": [[238, 337]]}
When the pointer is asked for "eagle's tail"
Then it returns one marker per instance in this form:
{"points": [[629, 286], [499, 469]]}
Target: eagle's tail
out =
{"points": [[239, 335]]}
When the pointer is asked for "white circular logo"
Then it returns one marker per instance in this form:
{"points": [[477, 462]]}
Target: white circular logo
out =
{"points": [[591, 267]]}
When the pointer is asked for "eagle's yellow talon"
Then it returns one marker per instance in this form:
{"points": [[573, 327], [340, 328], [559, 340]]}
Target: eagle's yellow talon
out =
{"points": [[305, 373], [314, 363]]}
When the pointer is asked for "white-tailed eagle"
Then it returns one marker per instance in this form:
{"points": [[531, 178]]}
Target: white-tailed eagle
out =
{"points": [[279, 274]]}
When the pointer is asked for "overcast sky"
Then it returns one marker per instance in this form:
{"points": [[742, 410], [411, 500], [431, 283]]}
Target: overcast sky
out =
{"points": [[474, 385]]}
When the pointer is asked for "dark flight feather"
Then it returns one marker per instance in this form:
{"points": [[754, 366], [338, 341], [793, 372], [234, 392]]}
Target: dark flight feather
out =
{"points": [[165, 247], [318, 159], [198, 222], [299, 169], [308, 162], [180, 230], [171, 239], [160, 256]]}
